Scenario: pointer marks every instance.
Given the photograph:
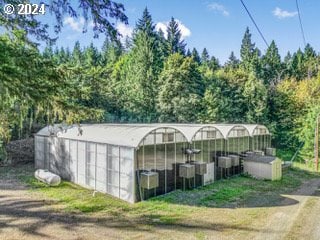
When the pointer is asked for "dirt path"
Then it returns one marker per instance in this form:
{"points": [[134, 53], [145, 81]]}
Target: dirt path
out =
{"points": [[297, 221], [26, 216]]}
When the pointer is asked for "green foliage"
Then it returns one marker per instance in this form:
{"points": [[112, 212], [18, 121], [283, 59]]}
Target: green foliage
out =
{"points": [[272, 67], [181, 90], [33, 88], [195, 55], [174, 42], [205, 56], [255, 95], [151, 78], [247, 50], [99, 11]]}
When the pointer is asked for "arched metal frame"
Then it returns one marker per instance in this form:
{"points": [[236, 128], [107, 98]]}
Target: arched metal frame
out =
{"points": [[209, 140], [161, 150], [238, 140], [261, 138]]}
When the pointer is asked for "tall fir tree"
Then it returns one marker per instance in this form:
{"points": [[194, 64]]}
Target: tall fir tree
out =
{"points": [[205, 56], [310, 61], [175, 44], [91, 56], [181, 90], [110, 52], [272, 67], [77, 56], [233, 61], [145, 66], [195, 55], [247, 50]]}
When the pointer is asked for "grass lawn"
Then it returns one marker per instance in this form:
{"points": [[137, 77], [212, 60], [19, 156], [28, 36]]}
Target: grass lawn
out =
{"points": [[195, 213], [231, 193]]}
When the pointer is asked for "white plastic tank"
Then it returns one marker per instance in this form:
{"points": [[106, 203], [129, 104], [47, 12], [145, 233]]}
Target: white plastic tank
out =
{"points": [[47, 177]]}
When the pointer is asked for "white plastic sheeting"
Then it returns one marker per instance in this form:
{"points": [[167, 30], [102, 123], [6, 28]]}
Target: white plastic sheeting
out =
{"points": [[102, 167]]}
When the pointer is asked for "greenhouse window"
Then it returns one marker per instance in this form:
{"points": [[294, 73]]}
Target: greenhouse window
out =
{"points": [[168, 137], [211, 134]]}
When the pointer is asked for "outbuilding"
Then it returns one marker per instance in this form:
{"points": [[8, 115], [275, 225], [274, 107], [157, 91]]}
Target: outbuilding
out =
{"points": [[136, 161], [263, 167]]}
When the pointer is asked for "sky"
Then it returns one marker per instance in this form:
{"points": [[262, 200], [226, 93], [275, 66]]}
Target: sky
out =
{"points": [[216, 25]]}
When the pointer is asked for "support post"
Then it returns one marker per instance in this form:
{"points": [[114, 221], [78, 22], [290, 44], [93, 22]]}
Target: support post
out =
{"points": [[316, 145]]}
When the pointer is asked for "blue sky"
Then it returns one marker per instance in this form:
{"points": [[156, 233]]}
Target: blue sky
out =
{"points": [[217, 25]]}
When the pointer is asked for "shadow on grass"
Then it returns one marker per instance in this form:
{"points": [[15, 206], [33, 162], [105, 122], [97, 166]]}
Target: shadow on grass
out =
{"points": [[243, 191], [39, 217], [170, 211]]}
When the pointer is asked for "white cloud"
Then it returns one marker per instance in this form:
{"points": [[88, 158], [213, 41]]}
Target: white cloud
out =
{"points": [[279, 13], [75, 24], [218, 8], [185, 32], [124, 30]]}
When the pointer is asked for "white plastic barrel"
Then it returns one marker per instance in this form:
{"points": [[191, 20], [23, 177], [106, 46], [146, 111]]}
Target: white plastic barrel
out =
{"points": [[47, 177]]}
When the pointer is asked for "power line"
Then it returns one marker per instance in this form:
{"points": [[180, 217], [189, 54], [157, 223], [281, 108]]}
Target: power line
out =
{"points": [[301, 27], [245, 7]]}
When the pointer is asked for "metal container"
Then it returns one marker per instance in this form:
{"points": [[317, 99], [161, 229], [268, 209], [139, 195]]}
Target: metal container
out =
{"points": [[149, 180], [187, 171], [235, 160], [271, 152], [47, 177], [200, 168], [259, 152], [224, 162], [249, 153]]}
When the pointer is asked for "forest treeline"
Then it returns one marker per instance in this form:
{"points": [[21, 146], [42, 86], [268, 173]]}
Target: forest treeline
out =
{"points": [[154, 77]]}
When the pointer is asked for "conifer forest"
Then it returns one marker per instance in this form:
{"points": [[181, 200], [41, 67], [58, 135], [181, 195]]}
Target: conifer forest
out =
{"points": [[151, 77]]}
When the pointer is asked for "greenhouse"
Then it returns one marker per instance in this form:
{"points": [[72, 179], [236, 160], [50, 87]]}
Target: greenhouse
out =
{"points": [[136, 161]]}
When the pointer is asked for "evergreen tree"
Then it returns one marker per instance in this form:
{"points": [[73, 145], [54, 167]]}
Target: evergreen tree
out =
{"points": [[247, 51], [48, 52], [145, 66], [91, 56], [310, 61], [162, 45], [174, 42], [195, 56], [205, 56], [110, 52], [145, 24], [287, 61], [188, 54], [233, 62], [255, 94], [76, 56], [297, 67], [213, 63], [100, 12], [181, 90], [272, 66]]}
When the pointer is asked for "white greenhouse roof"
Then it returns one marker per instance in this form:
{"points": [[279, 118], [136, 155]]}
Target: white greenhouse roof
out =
{"points": [[131, 135], [255, 129], [225, 129]]}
